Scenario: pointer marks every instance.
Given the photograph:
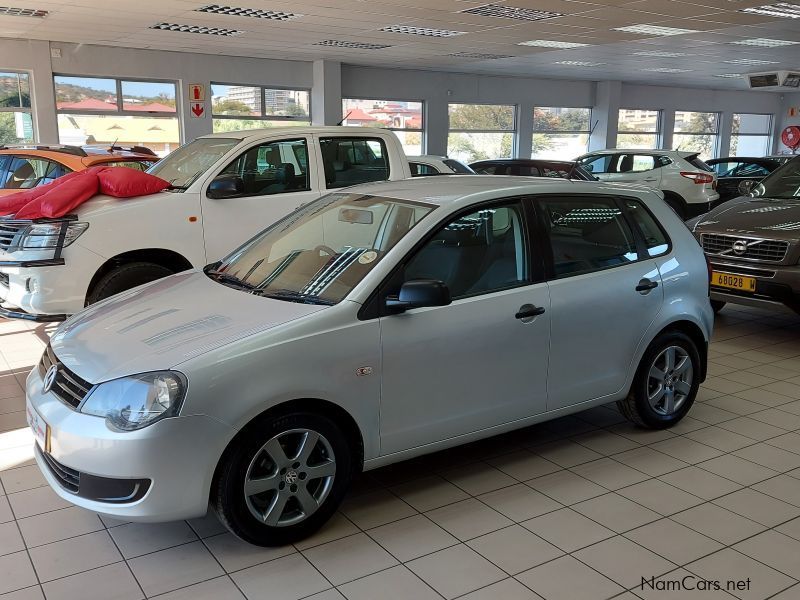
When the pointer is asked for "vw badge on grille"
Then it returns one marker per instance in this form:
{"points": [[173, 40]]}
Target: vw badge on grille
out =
{"points": [[50, 378], [739, 247]]}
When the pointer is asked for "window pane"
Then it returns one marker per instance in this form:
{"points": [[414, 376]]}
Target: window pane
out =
{"points": [[16, 128], [654, 236], [148, 96], [85, 93], [15, 91], [637, 140], [411, 142], [287, 103], [696, 122], [223, 125], [561, 119], [239, 100], [751, 135], [482, 117], [349, 161], [559, 146], [704, 144], [752, 124], [394, 114], [469, 147], [273, 168], [25, 173], [160, 134], [750, 145], [638, 119]]}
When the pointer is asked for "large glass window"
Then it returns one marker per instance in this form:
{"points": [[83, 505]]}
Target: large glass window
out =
{"points": [[235, 107], [16, 124], [104, 111], [696, 132], [638, 128], [751, 135], [560, 133], [404, 117], [481, 131]]}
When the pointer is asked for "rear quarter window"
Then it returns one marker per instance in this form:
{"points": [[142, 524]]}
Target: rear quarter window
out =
{"points": [[655, 237]]}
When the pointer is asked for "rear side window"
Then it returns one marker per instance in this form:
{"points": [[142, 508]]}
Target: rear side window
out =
{"points": [[654, 237], [29, 172], [598, 164], [350, 161], [421, 169], [587, 234], [491, 169], [636, 163]]}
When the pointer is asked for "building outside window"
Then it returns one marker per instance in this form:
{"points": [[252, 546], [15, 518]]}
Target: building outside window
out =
{"points": [[16, 123], [560, 133], [105, 111], [404, 117], [235, 107], [639, 128], [696, 132], [481, 131], [751, 135]]}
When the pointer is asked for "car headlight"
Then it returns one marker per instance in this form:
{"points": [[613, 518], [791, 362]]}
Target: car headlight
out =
{"points": [[137, 401], [45, 235]]}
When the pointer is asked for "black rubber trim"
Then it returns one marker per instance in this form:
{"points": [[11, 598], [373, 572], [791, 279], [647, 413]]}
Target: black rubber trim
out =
{"points": [[27, 264], [25, 316]]}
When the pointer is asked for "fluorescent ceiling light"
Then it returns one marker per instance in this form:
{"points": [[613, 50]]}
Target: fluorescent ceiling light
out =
{"points": [[511, 12], [479, 55], [236, 11], [662, 54], [729, 75], [654, 30], [11, 11], [765, 43], [426, 31], [750, 61], [666, 70], [197, 29], [578, 63], [345, 44], [781, 9], [552, 44]]}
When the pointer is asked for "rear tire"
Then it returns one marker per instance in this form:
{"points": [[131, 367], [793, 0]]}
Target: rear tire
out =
{"points": [[125, 277], [677, 205], [718, 305], [665, 384]]}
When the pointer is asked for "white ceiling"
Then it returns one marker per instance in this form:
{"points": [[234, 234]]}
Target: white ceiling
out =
{"points": [[716, 23]]}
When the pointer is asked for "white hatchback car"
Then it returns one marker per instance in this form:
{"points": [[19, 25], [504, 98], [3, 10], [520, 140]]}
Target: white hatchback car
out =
{"points": [[430, 164], [375, 324], [689, 184]]}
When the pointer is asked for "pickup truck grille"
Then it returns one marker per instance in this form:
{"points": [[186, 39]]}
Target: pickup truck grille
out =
{"points": [[762, 250], [69, 388], [9, 231]]}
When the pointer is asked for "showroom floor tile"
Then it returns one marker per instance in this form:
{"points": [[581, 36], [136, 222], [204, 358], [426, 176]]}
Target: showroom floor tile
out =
{"points": [[582, 508]]}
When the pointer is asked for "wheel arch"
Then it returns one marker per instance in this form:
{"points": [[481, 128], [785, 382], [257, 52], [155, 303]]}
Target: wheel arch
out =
{"points": [[675, 197], [170, 259], [693, 331]]}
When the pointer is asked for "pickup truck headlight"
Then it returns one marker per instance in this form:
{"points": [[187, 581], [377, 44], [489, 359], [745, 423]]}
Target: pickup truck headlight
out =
{"points": [[39, 236], [137, 401]]}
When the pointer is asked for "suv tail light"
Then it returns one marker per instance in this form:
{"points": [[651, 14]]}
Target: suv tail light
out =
{"points": [[699, 178]]}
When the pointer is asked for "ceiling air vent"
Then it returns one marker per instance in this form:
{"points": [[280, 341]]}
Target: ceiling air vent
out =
{"points": [[357, 45], [774, 80], [479, 55], [257, 13], [425, 31], [511, 12], [197, 29], [10, 11]]}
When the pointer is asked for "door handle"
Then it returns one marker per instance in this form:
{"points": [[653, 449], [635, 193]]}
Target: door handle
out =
{"points": [[645, 285], [527, 311]]}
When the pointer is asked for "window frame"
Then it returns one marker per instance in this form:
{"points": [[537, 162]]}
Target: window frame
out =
{"points": [[176, 114], [716, 134], [24, 109], [659, 131], [587, 132], [768, 135], [366, 138], [262, 93], [423, 116]]}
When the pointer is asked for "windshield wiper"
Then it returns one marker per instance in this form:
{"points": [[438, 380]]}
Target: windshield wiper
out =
{"points": [[293, 296], [224, 277]]}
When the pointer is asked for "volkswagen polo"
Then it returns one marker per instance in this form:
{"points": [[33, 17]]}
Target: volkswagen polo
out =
{"points": [[375, 324]]}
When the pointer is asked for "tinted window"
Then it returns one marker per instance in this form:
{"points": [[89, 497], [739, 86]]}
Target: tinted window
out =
{"points": [[587, 234], [553, 172], [457, 167], [272, 168], [636, 163], [26, 172], [725, 169], [598, 164], [475, 254], [349, 161], [654, 237], [696, 162], [419, 169], [751, 170], [525, 170]]}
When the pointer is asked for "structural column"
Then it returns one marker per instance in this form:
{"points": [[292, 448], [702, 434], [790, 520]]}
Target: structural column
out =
{"points": [[326, 93], [605, 112]]}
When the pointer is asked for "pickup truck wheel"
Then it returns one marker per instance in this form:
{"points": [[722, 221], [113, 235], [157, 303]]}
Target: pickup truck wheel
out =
{"points": [[125, 277], [717, 305], [283, 478], [665, 384]]}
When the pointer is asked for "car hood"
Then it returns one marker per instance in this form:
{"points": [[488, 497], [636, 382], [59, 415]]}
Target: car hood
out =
{"points": [[763, 217], [163, 324]]}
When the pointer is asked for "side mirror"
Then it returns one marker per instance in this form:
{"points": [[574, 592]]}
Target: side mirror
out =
{"points": [[225, 186], [418, 293], [746, 186]]}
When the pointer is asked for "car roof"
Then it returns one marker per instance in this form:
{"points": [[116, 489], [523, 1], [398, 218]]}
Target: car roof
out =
{"points": [[319, 129], [523, 161], [74, 156], [681, 153], [428, 157], [753, 159]]}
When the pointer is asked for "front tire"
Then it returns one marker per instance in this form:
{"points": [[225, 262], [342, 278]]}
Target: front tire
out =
{"points": [[283, 478], [665, 384], [125, 277]]}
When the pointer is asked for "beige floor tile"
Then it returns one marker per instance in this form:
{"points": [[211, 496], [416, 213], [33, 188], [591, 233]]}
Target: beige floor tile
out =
{"points": [[678, 585], [508, 589], [136, 539], [661, 497], [337, 528], [728, 564], [778, 418], [566, 487], [786, 388], [22, 478], [514, 549], [609, 473], [673, 541], [30, 593], [468, 519], [456, 571], [568, 579], [791, 407], [790, 528], [234, 554], [649, 461], [616, 512], [397, 583], [567, 529], [736, 404], [751, 379], [10, 539], [331, 594], [349, 558], [792, 593], [523, 465], [605, 442], [519, 502], [566, 453], [623, 561], [16, 572], [687, 425], [737, 469], [779, 551], [726, 386], [718, 523], [686, 450], [781, 487], [720, 438], [758, 507], [429, 493], [478, 478], [412, 537], [788, 441], [58, 525], [752, 428], [766, 397], [35, 502], [703, 411], [221, 588], [640, 434], [375, 508], [288, 578], [114, 581], [770, 456], [74, 555], [205, 526], [700, 482], [174, 568]]}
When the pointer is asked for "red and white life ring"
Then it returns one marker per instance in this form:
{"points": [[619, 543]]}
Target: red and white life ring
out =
{"points": [[791, 137]]}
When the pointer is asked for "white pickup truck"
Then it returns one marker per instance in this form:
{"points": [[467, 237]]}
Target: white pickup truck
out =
{"points": [[225, 188]]}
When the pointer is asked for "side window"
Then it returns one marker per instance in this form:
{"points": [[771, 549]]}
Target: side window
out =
{"points": [[750, 170], [272, 168], [636, 163], [587, 234], [654, 237], [349, 161], [486, 170], [526, 170], [420, 169], [27, 172], [598, 164], [663, 161], [477, 253]]}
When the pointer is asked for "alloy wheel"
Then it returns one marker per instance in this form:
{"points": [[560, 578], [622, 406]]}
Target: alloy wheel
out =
{"points": [[669, 381]]}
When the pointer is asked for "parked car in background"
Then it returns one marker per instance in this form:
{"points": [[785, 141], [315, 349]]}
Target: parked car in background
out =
{"points": [[532, 167], [734, 171], [429, 164], [753, 243], [781, 158], [226, 187], [689, 184], [329, 334], [28, 166]]}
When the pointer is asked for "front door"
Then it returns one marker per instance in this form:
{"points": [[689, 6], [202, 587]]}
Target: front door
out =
{"points": [[276, 177], [480, 361]]}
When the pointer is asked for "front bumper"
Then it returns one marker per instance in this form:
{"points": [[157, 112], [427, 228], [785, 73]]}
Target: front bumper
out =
{"points": [[177, 456], [776, 285]]}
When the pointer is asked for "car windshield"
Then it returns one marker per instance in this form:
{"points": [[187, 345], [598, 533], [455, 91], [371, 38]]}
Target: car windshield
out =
{"points": [[188, 162], [782, 184], [319, 253]]}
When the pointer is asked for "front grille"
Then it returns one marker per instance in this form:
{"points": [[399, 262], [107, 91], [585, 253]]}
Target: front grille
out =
{"points": [[8, 233], [70, 479], [757, 249], [69, 388], [747, 271]]}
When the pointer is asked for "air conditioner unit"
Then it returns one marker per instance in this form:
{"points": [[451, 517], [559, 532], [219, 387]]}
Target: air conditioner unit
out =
{"points": [[774, 80]]}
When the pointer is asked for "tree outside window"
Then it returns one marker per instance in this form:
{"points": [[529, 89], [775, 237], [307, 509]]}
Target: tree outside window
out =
{"points": [[696, 132], [481, 131], [16, 123], [560, 133]]}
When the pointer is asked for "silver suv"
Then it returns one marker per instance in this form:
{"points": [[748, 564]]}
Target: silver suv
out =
{"points": [[375, 324]]}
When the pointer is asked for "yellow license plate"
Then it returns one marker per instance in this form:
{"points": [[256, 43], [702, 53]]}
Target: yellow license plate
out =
{"points": [[734, 282]]}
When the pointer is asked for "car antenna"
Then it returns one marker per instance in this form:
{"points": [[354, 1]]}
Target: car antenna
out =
{"points": [[113, 144], [344, 118]]}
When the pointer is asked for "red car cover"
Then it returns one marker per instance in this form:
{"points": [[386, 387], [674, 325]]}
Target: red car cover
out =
{"points": [[65, 194]]}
